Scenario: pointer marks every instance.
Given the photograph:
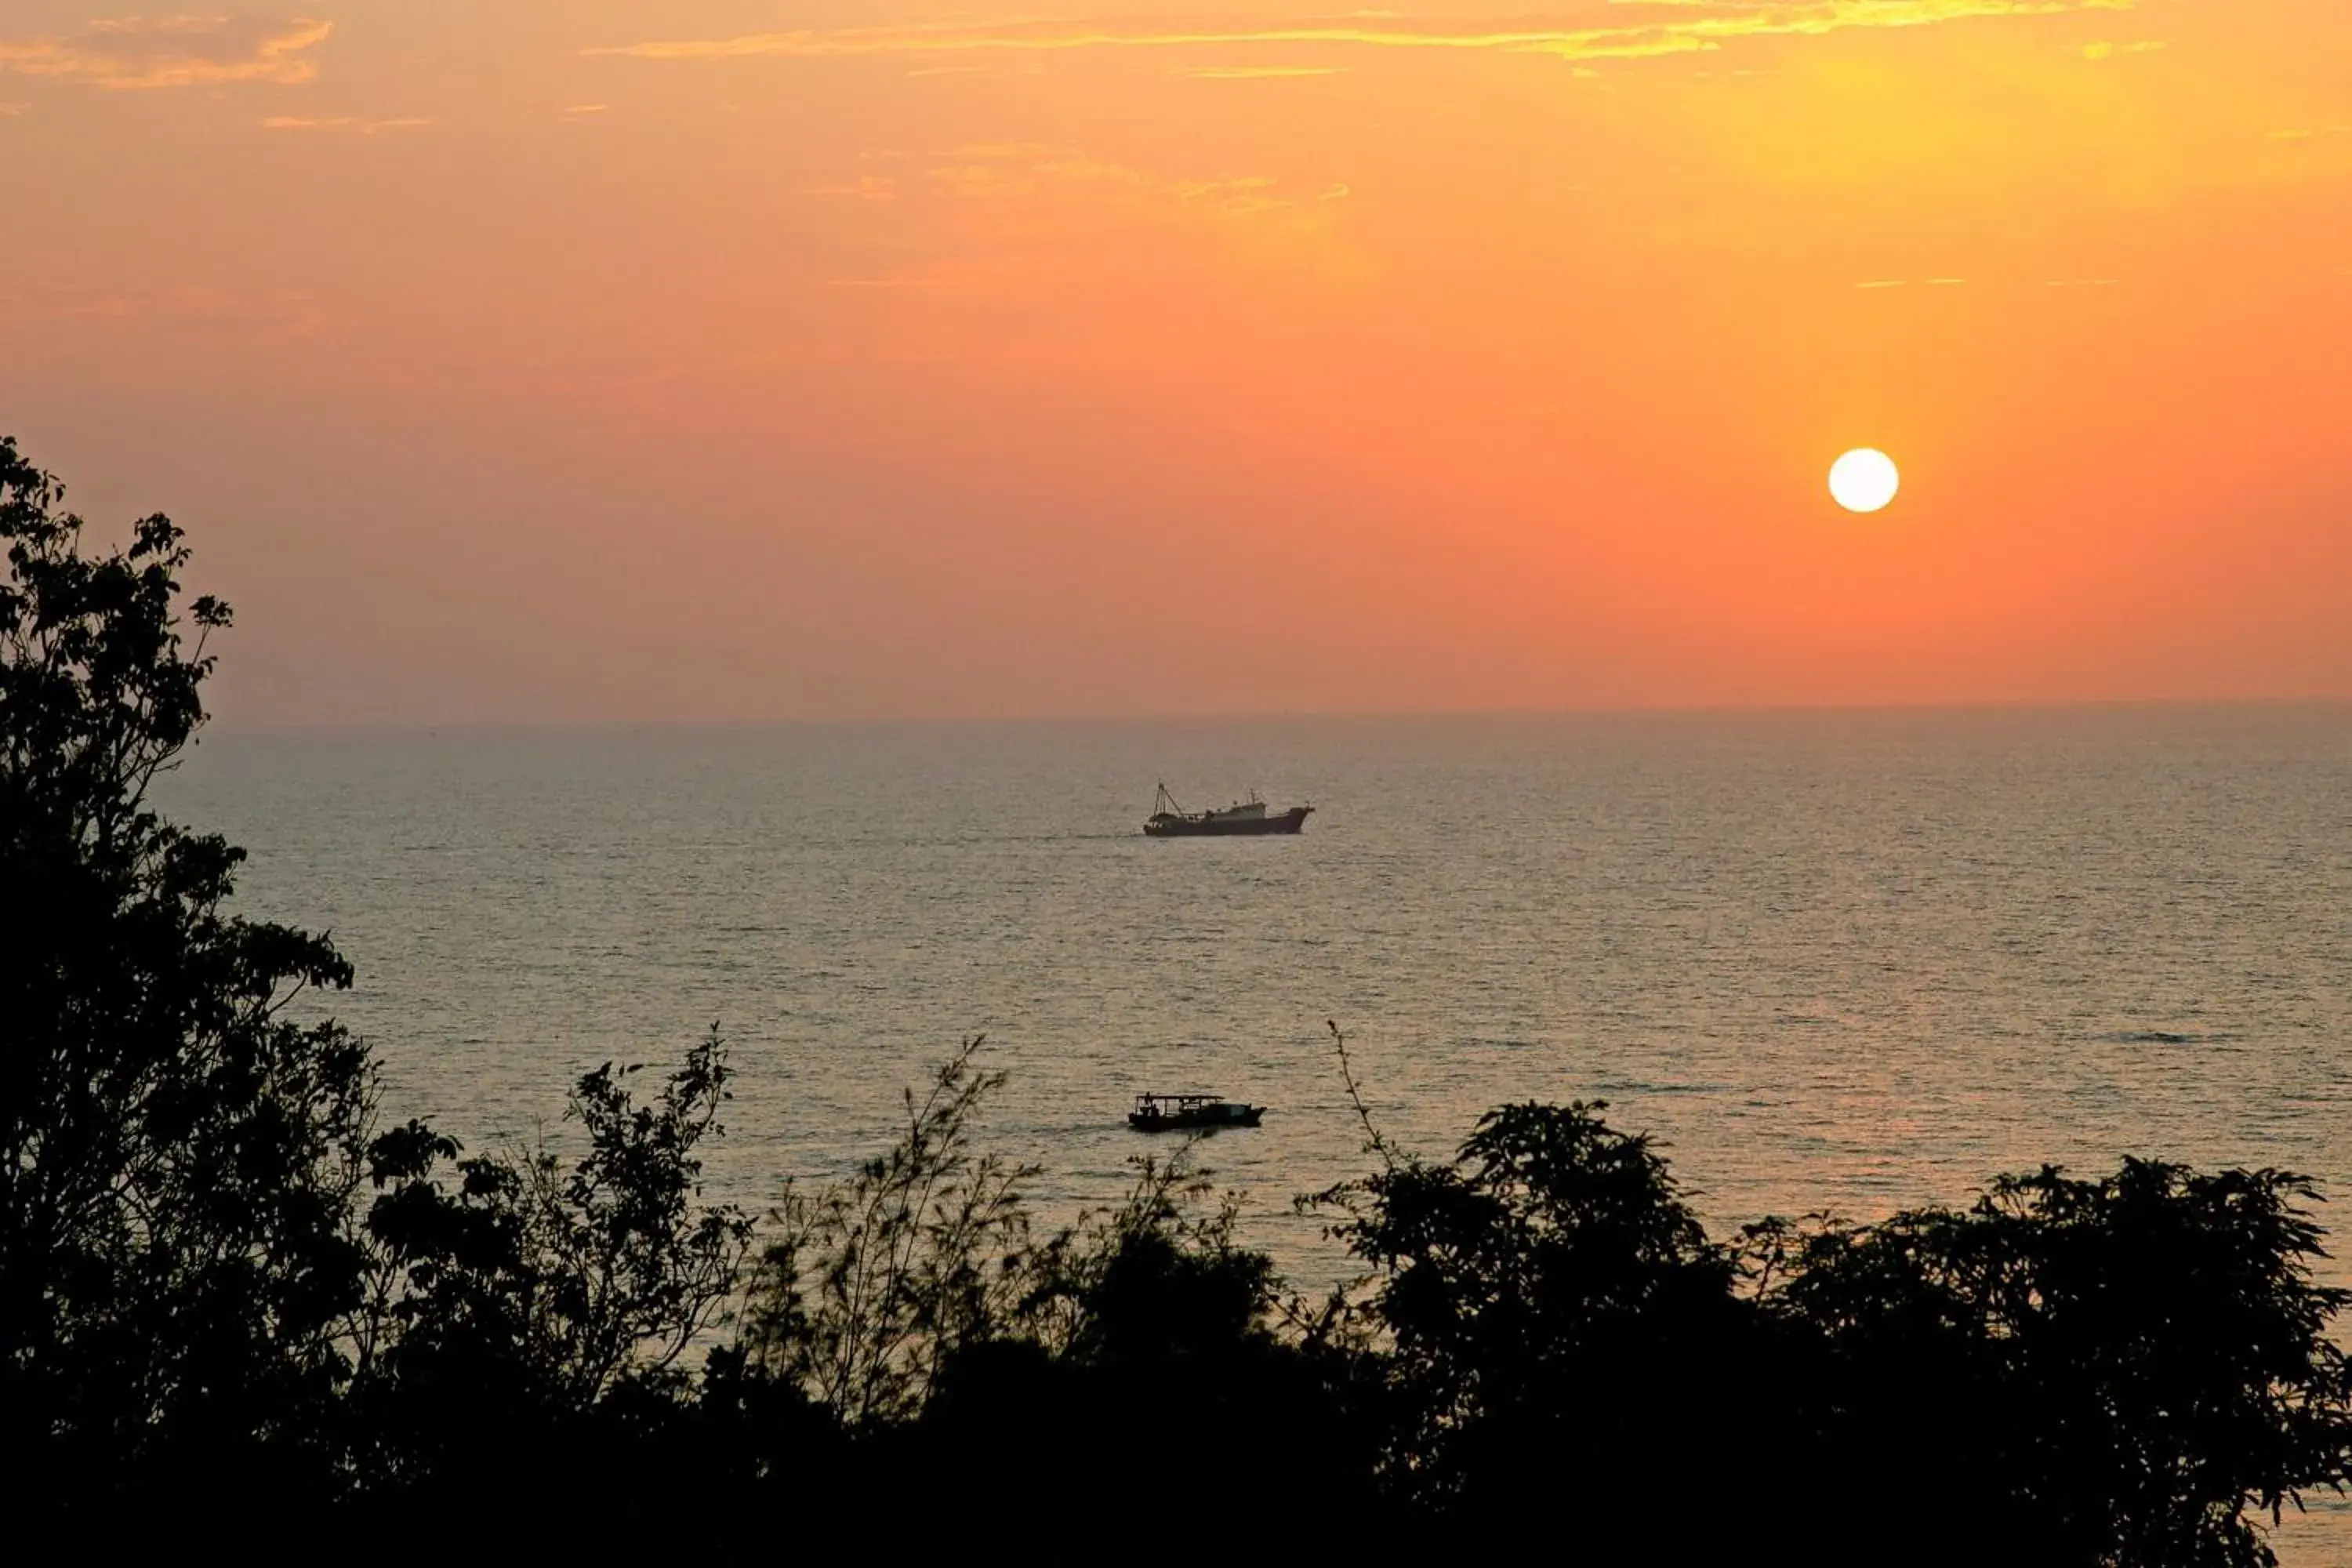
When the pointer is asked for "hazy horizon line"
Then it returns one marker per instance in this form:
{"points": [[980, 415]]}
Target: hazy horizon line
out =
{"points": [[231, 726]]}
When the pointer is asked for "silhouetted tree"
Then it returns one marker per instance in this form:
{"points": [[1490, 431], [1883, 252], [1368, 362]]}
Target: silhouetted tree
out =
{"points": [[2123, 1372], [2119, 1371], [218, 1280], [1561, 1335], [509, 1309], [178, 1261], [866, 1286], [908, 1338], [1160, 1279]]}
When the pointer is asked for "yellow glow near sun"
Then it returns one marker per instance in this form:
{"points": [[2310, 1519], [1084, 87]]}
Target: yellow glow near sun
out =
{"points": [[1864, 480]]}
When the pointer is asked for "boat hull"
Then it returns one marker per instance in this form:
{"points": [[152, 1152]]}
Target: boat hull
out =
{"points": [[1200, 1121], [1170, 827]]}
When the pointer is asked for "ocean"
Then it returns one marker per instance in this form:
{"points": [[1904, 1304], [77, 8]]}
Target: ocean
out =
{"points": [[1843, 961]]}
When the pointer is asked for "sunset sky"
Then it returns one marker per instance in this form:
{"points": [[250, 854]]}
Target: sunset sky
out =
{"points": [[561, 360]]}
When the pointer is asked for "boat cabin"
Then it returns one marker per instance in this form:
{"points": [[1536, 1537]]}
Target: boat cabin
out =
{"points": [[1171, 1113]]}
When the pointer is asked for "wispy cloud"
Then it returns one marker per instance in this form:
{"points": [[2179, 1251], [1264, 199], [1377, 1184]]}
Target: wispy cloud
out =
{"points": [[911, 280], [340, 122], [1022, 169], [134, 53], [864, 188], [10, 110], [1012, 209], [178, 313], [581, 111], [1253, 73], [2110, 51], [1708, 24], [2313, 134]]}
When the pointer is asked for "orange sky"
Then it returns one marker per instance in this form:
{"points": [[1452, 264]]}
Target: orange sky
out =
{"points": [[573, 359]]}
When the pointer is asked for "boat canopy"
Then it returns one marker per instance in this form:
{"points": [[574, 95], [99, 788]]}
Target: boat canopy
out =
{"points": [[1166, 805]]}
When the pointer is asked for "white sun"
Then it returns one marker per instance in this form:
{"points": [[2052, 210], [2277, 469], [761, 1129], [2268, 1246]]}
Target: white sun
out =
{"points": [[1865, 480]]}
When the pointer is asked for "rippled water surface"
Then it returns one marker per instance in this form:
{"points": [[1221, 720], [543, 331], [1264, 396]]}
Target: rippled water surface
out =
{"points": [[1852, 961]]}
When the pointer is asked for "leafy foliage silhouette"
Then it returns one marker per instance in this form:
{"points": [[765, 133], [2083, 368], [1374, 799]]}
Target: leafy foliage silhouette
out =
{"points": [[923, 1251], [536, 1297], [1559, 1330], [2130, 1370], [178, 1257], [219, 1282]]}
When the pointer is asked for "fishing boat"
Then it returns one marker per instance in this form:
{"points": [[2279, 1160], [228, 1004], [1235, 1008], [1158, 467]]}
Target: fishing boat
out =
{"points": [[1190, 1112], [1169, 820]]}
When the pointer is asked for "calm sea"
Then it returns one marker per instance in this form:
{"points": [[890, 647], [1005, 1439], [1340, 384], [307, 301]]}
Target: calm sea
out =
{"points": [[1851, 960]]}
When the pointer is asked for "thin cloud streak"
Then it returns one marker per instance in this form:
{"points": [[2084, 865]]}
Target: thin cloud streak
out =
{"points": [[1722, 23], [1253, 73], [987, 170], [138, 54], [340, 122]]}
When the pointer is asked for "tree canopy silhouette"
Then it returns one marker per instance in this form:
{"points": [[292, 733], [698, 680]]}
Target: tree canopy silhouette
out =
{"points": [[2129, 1369], [218, 1278], [1560, 1333], [178, 1254]]}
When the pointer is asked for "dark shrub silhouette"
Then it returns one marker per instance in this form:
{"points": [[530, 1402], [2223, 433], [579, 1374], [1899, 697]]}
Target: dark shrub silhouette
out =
{"points": [[906, 1336], [535, 1307], [2132, 1371], [2128, 1370], [1152, 1378], [867, 1287], [1562, 1337]]}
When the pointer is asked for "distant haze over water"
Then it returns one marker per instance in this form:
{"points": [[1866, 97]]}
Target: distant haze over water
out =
{"points": [[1863, 960]]}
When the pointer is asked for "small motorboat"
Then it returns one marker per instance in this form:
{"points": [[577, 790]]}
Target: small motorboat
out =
{"points": [[1190, 1112]]}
